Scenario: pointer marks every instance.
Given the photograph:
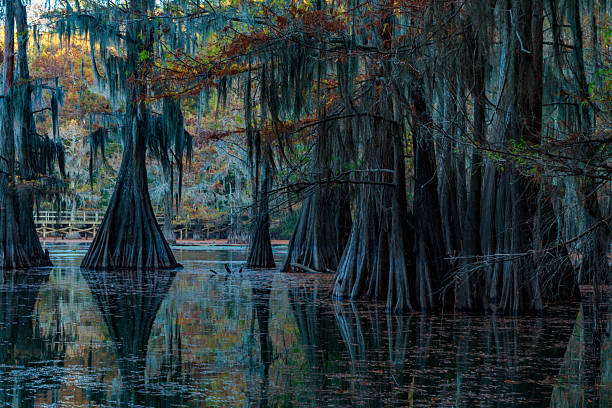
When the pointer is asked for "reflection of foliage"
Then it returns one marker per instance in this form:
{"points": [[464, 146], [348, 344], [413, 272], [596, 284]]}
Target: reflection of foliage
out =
{"points": [[205, 345], [129, 302], [32, 358]]}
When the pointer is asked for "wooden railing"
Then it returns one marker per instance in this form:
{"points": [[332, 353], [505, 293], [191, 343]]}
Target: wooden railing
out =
{"points": [[84, 223], [82, 217], [67, 222]]}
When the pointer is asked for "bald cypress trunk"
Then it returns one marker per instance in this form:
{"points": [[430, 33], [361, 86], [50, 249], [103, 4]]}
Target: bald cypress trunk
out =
{"points": [[431, 264], [321, 231], [19, 243], [377, 263], [324, 222], [595, 250], [448, 186], [260, 248], [515, 226], [511, 286], [130, 237], [468, 294]]}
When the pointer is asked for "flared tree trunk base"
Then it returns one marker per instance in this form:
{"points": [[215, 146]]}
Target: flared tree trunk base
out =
{"points": [[130, 237], [376, 263], [260, 250], [20, 247], [513, 285], [19, 244], [321, 233]]}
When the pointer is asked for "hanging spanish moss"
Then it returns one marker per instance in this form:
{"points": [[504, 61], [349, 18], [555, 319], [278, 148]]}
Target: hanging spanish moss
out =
{"points": [[129, 236], [26, 154], [324, 223], [435, 166], [172, 143]]}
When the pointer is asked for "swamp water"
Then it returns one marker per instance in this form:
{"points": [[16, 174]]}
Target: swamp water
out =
{"points": [[193, 338]]}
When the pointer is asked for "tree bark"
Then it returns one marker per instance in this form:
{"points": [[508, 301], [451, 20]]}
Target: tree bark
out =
{"points": [[595, 250], [376, 262], [511, 227], [468, 296], [448, 188], [260, 248], [129, 236], [324, 223], [431, 266], [19, 243], [321, 231]]}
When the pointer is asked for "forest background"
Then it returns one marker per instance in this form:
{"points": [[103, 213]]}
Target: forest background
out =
{"points": [[216, 195]]}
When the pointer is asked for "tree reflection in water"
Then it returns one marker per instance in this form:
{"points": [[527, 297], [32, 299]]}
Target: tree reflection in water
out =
{"points": [[264, 339], [31, 357], [129, 302], [585, 376], [261, 287], [321, 340], [365, 357]]}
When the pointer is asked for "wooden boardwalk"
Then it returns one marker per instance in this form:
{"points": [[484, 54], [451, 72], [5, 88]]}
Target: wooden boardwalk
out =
{"points": [[84, 223]]}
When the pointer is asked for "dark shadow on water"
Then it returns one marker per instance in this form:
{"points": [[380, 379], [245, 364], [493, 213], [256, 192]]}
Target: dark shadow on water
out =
{"points": [[129, 302], [261, 288], [365, 357], [31, 357], [585, 375]]}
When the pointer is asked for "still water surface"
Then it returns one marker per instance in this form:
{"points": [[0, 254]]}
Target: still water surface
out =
{"points": [[260, 338]]}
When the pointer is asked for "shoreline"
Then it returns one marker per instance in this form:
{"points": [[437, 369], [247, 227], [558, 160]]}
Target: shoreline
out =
{"points": [[183, 242]]}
